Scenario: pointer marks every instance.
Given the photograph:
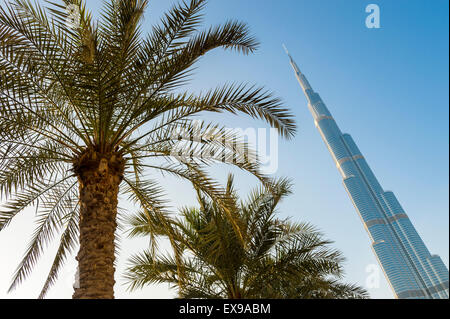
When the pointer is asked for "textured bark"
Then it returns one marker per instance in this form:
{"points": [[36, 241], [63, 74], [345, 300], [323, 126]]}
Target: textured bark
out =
{"points": [[99, 177]]}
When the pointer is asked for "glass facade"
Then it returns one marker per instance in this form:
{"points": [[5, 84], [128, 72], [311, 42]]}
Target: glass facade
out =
{"points": [[410, 269]]}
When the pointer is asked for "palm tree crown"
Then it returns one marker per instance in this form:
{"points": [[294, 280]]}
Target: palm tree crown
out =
{"points": [[277, 259], [87, 108]]}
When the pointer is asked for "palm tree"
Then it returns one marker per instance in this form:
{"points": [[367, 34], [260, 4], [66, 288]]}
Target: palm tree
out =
{"points": [[278, 258], [89, 107]]}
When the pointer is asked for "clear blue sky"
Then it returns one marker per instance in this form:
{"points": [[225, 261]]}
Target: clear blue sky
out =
{"points": [[387, 87]]}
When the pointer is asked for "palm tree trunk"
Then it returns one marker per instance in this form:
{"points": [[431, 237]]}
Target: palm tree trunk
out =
{"points": [[99, 178]]}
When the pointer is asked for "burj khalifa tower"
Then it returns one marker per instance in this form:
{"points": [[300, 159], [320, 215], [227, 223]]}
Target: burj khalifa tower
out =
{"points": [[411, 270]]}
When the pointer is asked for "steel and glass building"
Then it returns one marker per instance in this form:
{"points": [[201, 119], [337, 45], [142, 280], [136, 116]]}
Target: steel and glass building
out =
{"points": [[410, 269]]}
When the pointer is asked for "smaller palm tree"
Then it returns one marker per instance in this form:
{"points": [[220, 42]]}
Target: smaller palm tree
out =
{"points": [[267, 258]]}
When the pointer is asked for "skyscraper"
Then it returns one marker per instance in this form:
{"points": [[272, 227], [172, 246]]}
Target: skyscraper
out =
{"points": [[410, 269]]}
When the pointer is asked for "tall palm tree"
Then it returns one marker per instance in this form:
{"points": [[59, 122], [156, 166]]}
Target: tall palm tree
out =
{"points": [[89, 107], [277, 259]]}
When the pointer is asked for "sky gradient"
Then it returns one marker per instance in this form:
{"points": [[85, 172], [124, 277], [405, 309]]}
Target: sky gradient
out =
{"points": [[387, 87]]}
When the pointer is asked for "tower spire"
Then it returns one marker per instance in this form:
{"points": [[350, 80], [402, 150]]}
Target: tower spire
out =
{"points": [[300, 77], [294, 65]]}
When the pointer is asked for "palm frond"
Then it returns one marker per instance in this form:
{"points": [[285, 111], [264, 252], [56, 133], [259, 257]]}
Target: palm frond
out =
{"points": [[146, 269], [54, 206], [68, 242], [25, 198]]}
